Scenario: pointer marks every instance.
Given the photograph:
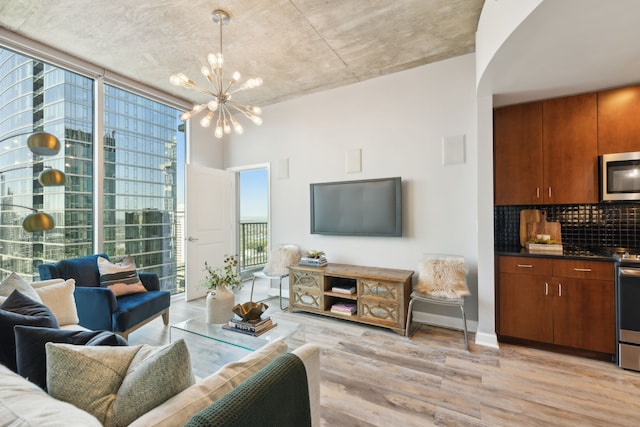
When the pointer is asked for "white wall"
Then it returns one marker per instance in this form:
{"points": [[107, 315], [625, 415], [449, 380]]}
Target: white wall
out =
{"points": [[205, 149], [398, 121]]}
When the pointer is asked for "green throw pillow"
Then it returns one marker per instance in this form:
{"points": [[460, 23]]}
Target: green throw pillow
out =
{"points": [[117, 384]]}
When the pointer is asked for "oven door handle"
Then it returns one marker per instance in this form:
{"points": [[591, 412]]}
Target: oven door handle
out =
{"points": [[629, 272]]}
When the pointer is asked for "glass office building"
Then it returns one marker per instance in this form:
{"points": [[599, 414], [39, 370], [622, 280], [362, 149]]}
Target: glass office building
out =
{"points": [[137, 197]]}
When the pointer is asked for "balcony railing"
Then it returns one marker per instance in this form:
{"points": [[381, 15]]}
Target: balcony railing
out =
{"points": [[253, 245]]}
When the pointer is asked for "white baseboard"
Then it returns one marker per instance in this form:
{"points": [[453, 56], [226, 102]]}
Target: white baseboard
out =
{"points": [[487, 339]]}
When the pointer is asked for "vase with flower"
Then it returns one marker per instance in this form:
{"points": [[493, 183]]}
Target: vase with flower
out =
{"points": [[220, 281]]}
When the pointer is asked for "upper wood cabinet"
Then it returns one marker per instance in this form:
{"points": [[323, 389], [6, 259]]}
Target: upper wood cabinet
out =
{"points": [[518, 154], [619, 120], [570, 148], [546, 152]]}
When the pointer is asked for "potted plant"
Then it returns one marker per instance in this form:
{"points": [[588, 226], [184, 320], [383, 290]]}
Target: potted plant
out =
{"points": [[220, 281]]}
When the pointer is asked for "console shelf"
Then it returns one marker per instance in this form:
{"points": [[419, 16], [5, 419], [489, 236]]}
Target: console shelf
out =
{"points": [[381, 297]]}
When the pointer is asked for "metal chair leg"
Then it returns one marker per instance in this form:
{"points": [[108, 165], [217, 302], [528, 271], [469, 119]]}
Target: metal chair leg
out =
{"points": [[252, 285], [280, 296], [464, 324], [409, 312]]}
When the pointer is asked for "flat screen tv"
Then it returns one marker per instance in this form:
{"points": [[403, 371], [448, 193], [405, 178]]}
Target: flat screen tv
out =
{"points": [[370, 207]]}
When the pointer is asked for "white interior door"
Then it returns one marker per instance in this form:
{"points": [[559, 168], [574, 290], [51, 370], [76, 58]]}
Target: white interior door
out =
{"points": [[210, 223]]}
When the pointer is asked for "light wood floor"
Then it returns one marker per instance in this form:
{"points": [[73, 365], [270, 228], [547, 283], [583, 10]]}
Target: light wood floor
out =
{"points": [[374, 377]]}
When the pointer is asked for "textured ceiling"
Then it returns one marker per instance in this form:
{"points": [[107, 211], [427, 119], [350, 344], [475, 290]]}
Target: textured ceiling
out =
{"points": [[296, 46]]}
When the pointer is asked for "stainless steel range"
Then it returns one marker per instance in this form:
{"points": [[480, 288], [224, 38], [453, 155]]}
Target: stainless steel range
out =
{"points": [[628, 309]]}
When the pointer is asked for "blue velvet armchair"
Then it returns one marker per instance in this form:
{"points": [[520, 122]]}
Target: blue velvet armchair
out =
{"points": [[99, 308]]}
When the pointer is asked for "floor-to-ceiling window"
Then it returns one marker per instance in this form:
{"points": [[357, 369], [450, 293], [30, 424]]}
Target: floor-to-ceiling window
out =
{"points": [[140, 182], [140, 139], [35, 96]]}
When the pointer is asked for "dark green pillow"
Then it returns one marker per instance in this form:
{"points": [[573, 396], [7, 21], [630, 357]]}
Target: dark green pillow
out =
{"points": [[19, 309], [31, 356]]}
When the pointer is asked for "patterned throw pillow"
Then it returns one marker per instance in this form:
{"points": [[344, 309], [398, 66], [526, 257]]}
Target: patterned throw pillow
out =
{"points": [[118, 384], [15, 282], [121, 278], [19, 309]]}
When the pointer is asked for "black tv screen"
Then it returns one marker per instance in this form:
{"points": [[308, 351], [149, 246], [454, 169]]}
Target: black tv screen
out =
{"points": [[370, 207]]}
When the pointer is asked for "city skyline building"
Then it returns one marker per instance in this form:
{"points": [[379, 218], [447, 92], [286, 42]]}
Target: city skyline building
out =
{"points": [[140, 141]]}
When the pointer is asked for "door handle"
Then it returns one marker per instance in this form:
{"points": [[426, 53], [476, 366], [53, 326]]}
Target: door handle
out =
{"points": [[192, 239]]}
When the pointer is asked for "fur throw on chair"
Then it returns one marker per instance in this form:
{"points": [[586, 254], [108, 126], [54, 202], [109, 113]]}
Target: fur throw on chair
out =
{"points": [[444, 277], [280, 258]]}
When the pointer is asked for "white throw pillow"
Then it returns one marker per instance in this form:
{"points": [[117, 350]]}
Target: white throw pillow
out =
{"points": [[117, 384], [121, 278], [15, 282], [58, 297], [23, 403]]}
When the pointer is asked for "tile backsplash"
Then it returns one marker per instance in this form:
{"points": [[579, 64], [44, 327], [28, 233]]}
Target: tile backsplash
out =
{"points": [[591, 225]]}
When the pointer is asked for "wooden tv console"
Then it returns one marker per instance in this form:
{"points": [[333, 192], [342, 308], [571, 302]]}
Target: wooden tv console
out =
{"points": [[381, 297]]}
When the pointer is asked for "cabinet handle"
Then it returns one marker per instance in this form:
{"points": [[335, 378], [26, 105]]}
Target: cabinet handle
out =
{"points": [[549, 192], [583, 270], [546, 288], [537, 192], [559, 289], [524, 266]]}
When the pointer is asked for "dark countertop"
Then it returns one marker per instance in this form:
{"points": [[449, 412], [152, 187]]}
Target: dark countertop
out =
{"points": [[570, 252]]}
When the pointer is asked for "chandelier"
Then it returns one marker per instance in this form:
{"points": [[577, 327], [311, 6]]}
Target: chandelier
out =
{"points": [[221, 108]]}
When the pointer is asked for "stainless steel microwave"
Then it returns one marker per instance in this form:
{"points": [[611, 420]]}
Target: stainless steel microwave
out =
{"points": [[620, 176]]}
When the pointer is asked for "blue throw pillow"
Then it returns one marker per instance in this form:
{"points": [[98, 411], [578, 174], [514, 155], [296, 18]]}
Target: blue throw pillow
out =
{"points": [[19, 309], [31, 357]]}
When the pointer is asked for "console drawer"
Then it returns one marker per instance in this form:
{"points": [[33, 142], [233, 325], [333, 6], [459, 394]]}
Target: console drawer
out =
{"points": [[378, 289], [379, 312], [306, 279]]}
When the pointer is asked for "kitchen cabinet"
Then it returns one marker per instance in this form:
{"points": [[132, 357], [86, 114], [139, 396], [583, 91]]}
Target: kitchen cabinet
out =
{"points": [[518, 154], [546, 152], [618, 124], [565, 302], [570, 148]]}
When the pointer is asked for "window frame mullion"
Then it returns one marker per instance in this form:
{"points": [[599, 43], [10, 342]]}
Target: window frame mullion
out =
{"points": [[98, 167]]}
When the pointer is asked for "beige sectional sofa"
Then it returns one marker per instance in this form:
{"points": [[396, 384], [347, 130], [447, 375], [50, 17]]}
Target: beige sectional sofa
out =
{"points": [[24, 403]]}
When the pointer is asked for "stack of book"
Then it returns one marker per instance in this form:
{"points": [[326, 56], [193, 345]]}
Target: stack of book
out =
{"points": [[313, 262], [254, 328], [345, 308], [344, 289]]}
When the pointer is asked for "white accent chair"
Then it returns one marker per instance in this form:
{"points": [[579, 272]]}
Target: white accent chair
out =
{"points": [[277, 267], [441, 280]]}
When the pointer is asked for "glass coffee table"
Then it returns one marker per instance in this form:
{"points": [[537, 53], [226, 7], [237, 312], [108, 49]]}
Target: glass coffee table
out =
{"points": [[211, 347]]}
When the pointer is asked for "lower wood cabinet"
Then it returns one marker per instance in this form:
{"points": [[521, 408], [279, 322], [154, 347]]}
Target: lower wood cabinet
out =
{"points": [[565, 302], [380, 297]]}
